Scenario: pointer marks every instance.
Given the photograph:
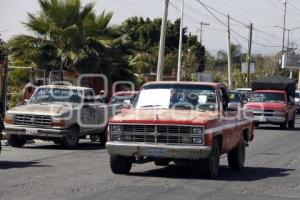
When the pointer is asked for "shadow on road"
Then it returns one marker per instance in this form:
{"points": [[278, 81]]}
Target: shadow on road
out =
{"points": [[187, 172], [81, 146], [14, 164]]}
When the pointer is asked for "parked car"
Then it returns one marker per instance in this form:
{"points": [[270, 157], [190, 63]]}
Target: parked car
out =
{"points": [[123, 99], [246, 91], [63, 114], [237, 99], [184, 122], [297, 100]]}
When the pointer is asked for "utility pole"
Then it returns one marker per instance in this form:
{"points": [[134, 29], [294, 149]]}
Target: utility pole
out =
{"points": [[284, 19], [162, 42], [229, 54], [288, 51], [180, 44], [202, 24], [249, 54]]}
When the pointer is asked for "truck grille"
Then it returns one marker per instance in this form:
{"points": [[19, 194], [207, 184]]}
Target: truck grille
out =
{"points": [[167, 134], [33, 120]]}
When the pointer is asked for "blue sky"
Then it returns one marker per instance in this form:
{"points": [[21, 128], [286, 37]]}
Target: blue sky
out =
{"points": [[264, 14]]}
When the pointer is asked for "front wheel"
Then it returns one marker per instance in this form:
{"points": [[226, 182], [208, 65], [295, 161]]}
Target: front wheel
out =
{"points": [[284, 124], [71, 140], [211, 165], [291, 123], [120, 164], [16, 140], [236, 157]]}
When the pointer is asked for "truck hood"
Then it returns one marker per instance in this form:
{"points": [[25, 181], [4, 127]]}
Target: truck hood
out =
{"points": [[184, 117], [41, 109], [266, 106]]}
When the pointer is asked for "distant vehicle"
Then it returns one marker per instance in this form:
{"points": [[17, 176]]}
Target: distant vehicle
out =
{"points": [[63, 114], [123, 98], [237, 99], [246, 91], [273, 102], [297, 100]]}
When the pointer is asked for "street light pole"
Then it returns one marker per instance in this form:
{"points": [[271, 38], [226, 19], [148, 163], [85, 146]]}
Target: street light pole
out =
{"points": [[180, 44], [161, 53], [283, 32]]}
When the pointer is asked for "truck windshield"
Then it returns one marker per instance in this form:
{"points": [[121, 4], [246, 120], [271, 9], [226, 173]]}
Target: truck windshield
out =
{"points": [[176, 96], [268, 97], [50, 95]]}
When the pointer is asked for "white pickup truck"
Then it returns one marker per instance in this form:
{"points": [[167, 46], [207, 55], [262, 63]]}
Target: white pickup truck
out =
{"points": [[63, 114]]}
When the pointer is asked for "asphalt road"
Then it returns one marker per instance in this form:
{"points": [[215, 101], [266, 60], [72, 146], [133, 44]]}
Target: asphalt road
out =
{"points": [[46, 171]]}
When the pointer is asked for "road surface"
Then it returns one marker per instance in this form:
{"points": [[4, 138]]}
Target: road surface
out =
{"points": [[46, 171]]}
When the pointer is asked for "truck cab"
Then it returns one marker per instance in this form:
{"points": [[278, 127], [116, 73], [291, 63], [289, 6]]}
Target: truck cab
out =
{"points": [[183, 122]]}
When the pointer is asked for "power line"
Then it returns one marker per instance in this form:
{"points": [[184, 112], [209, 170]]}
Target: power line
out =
{"points": [[209, 8]]}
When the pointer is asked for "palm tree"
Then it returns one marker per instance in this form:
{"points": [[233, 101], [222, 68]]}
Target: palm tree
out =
{"points": [[64, 32]]}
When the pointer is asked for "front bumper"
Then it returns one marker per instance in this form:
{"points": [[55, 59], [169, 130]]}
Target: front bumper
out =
{"points": [[35, 131], [268, 119], [167, 151]]}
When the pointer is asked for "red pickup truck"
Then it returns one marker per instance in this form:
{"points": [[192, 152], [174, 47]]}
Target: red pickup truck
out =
{"points": [[183, 122], [273, 102]]}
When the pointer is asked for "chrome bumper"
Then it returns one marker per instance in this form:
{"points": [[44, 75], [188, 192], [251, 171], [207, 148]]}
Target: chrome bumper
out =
{"points": [[38, 132], [168, 151], [268, 119]]}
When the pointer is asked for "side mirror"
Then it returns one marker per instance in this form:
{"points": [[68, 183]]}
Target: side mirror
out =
{"points": [[127, 104], [26, 101]]}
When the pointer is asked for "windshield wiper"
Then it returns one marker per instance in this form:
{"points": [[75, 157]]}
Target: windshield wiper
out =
{"points": [[151, 106]]}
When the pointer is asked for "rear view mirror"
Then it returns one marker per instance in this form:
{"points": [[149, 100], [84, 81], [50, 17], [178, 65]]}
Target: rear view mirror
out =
{"points": [[127, 104], [26, 101]]}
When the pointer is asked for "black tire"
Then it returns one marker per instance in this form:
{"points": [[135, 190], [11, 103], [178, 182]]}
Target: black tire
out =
{"points": [[291, 123], [72, 138], [284, 125], [236, 157], [210, 166], [103, 139], [16, 140], [256, 124], [120, 164]]}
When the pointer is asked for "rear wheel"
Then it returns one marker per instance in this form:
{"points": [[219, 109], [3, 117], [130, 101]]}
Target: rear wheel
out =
{"points": [[71, 140], [210, 166], [284, 125], [16, 140], [120, 164], [236, 157], [162, 162]]}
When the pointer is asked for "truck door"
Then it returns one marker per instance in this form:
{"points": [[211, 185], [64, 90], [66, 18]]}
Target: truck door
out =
{"points": [[89, 112], [229, 120]]}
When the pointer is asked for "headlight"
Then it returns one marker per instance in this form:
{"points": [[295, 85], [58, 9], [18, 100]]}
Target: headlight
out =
{"points": [[197, 140], [115, 128], [9, 118], [198, 131]]}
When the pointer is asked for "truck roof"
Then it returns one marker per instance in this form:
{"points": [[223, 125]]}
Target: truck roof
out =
{"points": [[71, 87], [213, 84]]}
